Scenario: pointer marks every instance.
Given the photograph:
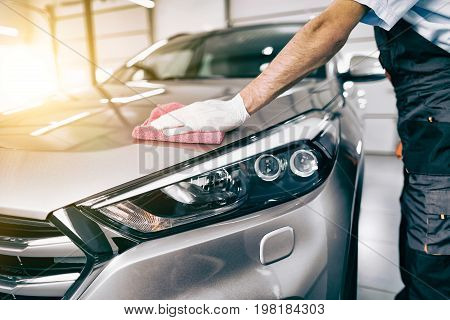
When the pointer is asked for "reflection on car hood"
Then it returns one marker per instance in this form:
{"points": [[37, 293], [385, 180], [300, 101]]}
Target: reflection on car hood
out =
{"points": [[63, 151]]}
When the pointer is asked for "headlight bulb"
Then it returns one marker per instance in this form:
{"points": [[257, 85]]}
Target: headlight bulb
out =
{"points": [[268, 167], [303, 163]]}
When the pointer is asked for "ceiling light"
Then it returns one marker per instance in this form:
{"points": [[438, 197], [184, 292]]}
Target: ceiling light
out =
{"points": [[267, 51], [145, 3], [144, 54], [59, 124], [263, 66], [144, 84], [8, 31], [138, 96], [22, 108]]}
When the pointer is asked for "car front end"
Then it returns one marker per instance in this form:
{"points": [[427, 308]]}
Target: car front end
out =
{"points": [[86, 212]]}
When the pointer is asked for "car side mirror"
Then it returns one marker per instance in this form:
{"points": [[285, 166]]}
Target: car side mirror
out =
{"points": [[364, 69]]}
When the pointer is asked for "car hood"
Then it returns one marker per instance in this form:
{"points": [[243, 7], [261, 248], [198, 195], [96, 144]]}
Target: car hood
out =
{"points": [[75, 146]]}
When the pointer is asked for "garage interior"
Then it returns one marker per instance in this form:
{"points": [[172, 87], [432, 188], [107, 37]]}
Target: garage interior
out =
{"points": [[46, 46]]}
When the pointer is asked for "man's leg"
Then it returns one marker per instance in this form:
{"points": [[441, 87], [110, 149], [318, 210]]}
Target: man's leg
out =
{"points": [[429, 276], [402, 246], [420, 74], [425, 237]]}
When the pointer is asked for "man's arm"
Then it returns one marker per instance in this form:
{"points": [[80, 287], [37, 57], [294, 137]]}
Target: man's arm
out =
{"points": [[316, 43], [312, 46]]}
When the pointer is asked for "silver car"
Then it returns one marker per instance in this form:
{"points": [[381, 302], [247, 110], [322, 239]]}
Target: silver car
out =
{"points": [[86, 212]]}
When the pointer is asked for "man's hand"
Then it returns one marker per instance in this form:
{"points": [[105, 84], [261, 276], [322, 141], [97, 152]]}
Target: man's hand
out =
{"points": [[206, 116]]}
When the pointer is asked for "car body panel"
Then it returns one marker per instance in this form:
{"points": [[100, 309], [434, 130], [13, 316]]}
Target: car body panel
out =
{"points": [[97, 153]]}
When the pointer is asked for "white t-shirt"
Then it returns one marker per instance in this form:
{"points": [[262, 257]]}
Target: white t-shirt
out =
{"points": [[429, 18]]}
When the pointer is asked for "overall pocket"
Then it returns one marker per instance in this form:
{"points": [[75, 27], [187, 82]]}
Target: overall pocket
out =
{"points": [[426, 147], [437, 205]]}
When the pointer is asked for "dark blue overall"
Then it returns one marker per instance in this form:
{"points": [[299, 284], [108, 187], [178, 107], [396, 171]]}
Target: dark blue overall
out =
{"points": [[420, 74]]}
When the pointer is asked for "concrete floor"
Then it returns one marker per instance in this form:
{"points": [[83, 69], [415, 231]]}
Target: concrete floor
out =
{"points": [[378, 275]]}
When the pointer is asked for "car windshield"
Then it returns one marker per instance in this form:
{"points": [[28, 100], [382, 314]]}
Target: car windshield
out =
{"points": [[239, 53]]}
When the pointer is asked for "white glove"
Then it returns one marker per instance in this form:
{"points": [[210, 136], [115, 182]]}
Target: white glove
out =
{"points": [[204, 116]]}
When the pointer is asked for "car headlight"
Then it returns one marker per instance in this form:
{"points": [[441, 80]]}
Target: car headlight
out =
{"points": [[255, 173]]}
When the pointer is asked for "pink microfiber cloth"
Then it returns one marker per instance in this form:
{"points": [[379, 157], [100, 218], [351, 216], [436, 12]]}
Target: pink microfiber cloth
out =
{"points": [[146, 132]]}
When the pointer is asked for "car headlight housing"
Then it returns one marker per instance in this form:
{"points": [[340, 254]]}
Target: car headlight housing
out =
{"points": [[263, 170]]}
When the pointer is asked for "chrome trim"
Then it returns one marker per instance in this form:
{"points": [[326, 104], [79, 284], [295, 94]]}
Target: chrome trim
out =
{"points": [[301, 128], [38, 245], [45, 247], [49, 286], [26, 222]]}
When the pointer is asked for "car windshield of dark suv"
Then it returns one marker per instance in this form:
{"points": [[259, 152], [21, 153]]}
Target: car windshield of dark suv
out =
{"points": [[240, 53]]}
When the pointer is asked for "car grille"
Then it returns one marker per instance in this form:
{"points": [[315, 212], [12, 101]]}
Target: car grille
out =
{"points": [[36, 260]]}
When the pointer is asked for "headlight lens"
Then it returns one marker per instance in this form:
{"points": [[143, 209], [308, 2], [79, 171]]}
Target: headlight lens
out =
{"points": [[255, 182], [269, 168], [303, 163]]}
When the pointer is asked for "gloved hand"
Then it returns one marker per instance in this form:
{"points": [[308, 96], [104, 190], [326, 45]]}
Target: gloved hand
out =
{"points": [[204, 116]]}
